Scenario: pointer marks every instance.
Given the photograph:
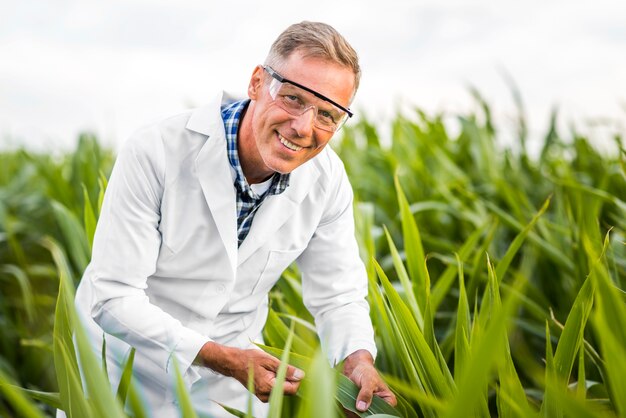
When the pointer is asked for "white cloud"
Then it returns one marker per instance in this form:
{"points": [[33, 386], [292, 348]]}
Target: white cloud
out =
{"points": [[114, 66]]}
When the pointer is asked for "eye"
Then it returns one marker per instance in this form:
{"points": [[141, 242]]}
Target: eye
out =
{"points": [[326, 116], [292, 100]]}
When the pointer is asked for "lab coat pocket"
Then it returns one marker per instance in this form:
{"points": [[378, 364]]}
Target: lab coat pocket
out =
{"points": [[277, 262]]}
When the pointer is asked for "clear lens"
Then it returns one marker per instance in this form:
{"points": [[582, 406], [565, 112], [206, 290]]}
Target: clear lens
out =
{"points": [[296, 101]]}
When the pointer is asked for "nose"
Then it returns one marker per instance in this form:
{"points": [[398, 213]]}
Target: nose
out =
{"points": [[303, 124]]}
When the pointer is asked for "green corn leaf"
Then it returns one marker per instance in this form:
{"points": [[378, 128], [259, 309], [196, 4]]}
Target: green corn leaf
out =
{"points": [[504, 263], [551, 406], [393, 339], [347, 393], [184, 399], [419, 352], [442, 286], [404, 280], [476, 262], [364, 224], [609, 319], [68, 377], [135, 403], [431, 340], [101, 397], [277, 333], [233, 411], [511, 400], [52, 399], [102, 403], [403, 389], [74, 236], [511, 397], [17, 399], [572, 335], [28, 298], [383, 323], [290, 290], [73, 399], [102, 183], [550, 250], [346, 390], [416, 260], [571, 406], [581, 384], [463, 326], [276, 396], [305, 332], [403, 407], [89, 217], [127, 373], [615, 354], [318, 389], [471, 395], [297, 360]]}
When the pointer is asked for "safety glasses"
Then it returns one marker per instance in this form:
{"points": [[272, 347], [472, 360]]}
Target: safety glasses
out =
{"points": [[297, 99]]}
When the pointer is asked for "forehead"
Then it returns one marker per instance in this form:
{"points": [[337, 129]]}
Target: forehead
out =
{"points": [[330, 79]]}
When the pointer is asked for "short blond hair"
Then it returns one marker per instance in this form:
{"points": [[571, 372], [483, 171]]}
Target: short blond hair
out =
{"points": [[315, 39]]}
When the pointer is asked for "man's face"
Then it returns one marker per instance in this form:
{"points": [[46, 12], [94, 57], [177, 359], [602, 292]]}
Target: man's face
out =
{"points": [[280, 141]]}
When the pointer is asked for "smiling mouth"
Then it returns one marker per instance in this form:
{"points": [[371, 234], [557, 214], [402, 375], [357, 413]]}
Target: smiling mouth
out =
{"points": [[289, 144]]}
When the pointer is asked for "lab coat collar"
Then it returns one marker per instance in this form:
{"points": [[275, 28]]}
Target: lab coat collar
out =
{"points": [[213, 168], [214, 174], [207, 120]]}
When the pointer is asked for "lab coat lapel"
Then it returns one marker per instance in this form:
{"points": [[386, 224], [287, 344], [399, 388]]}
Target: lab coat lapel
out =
{"points": [[215, 177], [277, 209]]}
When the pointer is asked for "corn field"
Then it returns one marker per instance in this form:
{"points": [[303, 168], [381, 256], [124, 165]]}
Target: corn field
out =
{"points": [[496, 278]]}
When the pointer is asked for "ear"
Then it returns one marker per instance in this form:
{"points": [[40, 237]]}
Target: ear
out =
{"points": [[256, 83]]}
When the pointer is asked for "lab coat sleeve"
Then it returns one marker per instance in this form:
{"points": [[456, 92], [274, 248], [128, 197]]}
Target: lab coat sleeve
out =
{"points": [[334, 278], [125, 252]]}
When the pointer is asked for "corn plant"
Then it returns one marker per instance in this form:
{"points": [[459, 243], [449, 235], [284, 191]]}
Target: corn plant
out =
{"points": [[496, 279]]}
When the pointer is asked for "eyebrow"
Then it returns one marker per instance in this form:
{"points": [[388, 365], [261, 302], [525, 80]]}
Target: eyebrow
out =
{"points": [[282, 79]]}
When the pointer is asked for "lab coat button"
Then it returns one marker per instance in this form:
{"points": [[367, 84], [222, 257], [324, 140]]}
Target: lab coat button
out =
{"points": [[220, 288]]}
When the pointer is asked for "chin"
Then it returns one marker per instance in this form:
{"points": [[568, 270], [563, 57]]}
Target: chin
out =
{"points": [[283, 170], [279, 165]]}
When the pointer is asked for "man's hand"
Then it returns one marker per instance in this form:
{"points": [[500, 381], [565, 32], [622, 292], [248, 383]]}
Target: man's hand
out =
{"points": [[359, 367], [236, 362]]}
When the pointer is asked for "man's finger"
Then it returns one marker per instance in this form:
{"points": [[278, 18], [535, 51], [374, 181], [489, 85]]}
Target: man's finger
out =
{"points": [[290, 388], [294, 374], [388, 397], [364, 398], [271, 363]]}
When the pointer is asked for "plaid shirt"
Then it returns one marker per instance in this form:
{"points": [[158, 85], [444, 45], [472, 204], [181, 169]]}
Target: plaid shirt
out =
{"points": [[247, 200]]}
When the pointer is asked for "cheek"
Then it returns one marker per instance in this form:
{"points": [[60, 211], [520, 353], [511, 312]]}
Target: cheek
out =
{"points": [[315, 152], [261, 123], [322, 142]]}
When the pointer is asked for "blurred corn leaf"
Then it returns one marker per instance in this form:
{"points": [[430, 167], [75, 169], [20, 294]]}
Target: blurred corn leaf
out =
{"points": [[432, 191]]}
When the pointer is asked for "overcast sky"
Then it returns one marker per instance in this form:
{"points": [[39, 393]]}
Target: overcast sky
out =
{"points": [[111, 67]]}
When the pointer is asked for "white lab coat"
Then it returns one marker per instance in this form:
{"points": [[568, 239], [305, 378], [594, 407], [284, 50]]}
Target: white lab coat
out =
{"points": [[166, 275]]}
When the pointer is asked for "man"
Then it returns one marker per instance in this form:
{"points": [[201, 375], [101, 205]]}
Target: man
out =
{"points": [[205, 210]]}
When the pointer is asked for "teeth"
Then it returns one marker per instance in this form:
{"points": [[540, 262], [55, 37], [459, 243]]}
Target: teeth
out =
{"points": [[288, 144]]}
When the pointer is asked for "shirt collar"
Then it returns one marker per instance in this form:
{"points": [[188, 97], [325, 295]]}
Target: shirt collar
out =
{"points": [[231, 115]]}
